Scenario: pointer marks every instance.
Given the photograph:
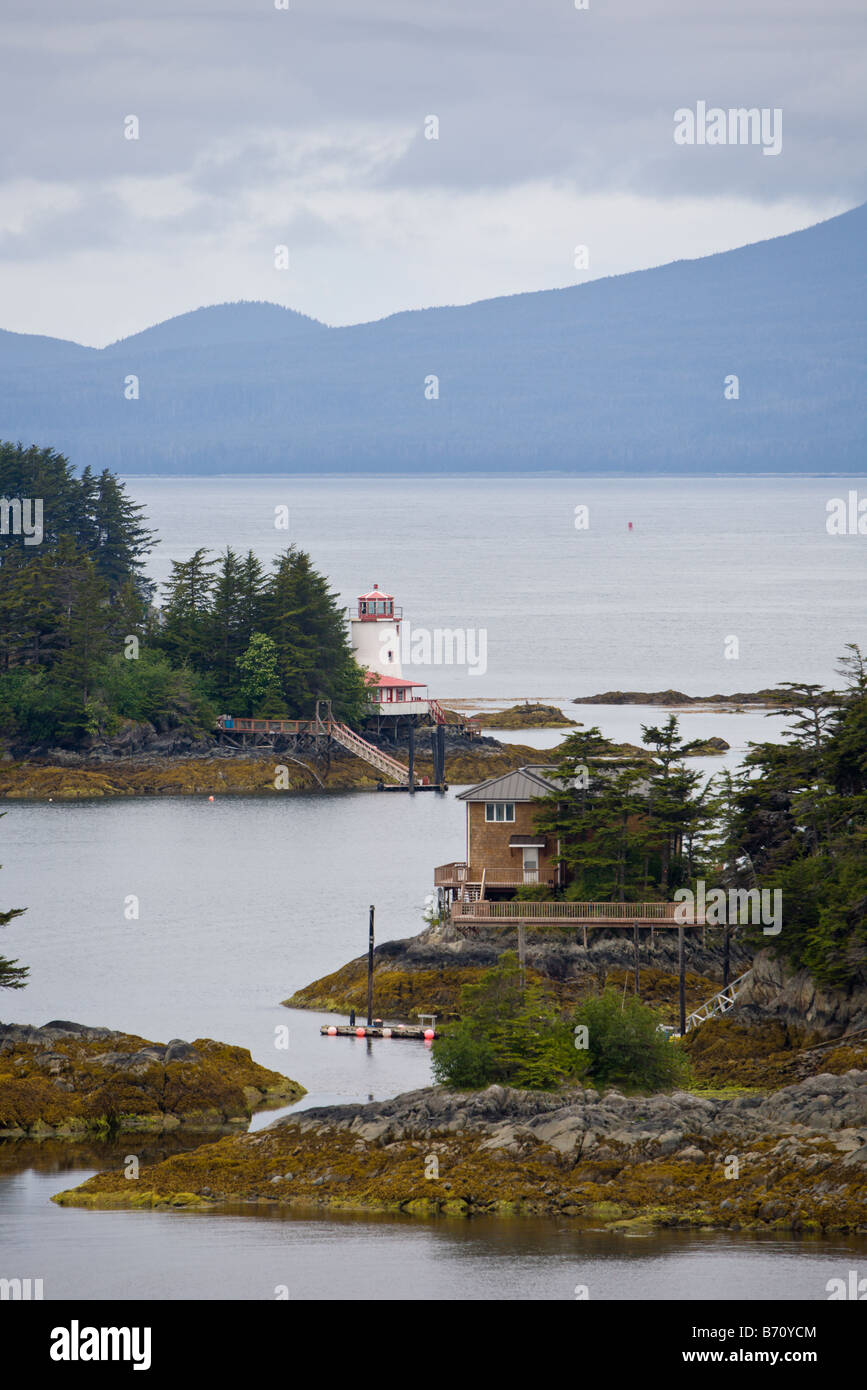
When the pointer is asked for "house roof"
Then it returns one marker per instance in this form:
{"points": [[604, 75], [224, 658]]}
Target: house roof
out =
{"points": [[375, 593], [374, 678], [524, 784]]}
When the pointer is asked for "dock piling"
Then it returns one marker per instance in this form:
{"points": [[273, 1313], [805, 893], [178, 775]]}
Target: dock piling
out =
{"points": [[370, 969]]}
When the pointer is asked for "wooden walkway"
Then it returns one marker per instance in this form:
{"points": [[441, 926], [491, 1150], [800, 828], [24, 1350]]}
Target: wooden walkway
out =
{"points": [[315, 731]]}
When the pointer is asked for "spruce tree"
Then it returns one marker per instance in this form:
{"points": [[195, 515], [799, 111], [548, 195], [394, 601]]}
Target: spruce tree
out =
{"points": [[12, 975]]}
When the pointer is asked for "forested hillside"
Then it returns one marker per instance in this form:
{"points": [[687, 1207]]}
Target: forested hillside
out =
{"points": [[630, 374]]}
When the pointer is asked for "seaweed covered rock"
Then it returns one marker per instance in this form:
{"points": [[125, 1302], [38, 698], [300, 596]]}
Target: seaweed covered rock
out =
{"points": [[65, 1079], [426, 973], [524, 716], [623, 1162]]}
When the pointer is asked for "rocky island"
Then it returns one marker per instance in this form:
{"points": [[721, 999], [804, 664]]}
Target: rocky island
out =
{"points": [[525, 716], [793, 1160], [66, 1080], [676, 699]]}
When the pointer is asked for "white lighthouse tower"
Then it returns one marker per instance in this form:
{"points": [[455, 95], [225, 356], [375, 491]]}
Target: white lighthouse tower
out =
{"points": [[375, 636]]}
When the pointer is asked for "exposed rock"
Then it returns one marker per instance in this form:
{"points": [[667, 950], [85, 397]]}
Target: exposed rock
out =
{"points": [[62, 1080], [180, 765], [540, 1153], [677, 697], [425, 973], [524, 716], [776, 991]]}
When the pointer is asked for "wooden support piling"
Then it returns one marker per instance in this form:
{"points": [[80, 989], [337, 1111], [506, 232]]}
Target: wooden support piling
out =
{"points": [[370, 969], [635, 954], [681, 969], [439, 743]]}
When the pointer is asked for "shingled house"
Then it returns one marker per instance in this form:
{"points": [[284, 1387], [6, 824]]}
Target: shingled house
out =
{"points": [[504, 849]]}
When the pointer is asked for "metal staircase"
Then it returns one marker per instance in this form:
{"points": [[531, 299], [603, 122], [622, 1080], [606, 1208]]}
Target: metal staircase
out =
{"points": [[718, 1004], [353, 743]]}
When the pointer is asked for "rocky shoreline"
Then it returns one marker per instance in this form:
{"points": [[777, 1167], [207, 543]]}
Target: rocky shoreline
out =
{"points": [[142, 761], [207, 769], [66, 1080], [756, 699], [425, 973], [795, 1160]]}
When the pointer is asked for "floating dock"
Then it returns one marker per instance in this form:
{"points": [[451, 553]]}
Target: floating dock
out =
{"points": [[378, 1030]]}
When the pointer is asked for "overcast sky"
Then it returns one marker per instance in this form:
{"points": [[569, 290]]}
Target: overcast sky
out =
{"points": [[305, 127]]}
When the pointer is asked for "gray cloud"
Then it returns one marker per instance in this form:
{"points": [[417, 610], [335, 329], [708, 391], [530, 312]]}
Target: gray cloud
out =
{"points": [[309, 123]]}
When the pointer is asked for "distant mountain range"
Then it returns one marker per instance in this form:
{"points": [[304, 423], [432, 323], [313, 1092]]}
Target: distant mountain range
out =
{"points": [[622, 375]]}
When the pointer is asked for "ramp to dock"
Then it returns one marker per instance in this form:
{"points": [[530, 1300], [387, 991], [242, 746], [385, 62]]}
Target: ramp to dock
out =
{"points": [[718, 1004], [354, 743]]}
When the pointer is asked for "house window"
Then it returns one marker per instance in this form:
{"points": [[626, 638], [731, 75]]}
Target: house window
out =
{"points": [[499, 810]]}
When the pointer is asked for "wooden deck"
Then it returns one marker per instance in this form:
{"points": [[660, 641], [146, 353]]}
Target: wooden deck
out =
{"points": [[459, 875], [567, 914]]}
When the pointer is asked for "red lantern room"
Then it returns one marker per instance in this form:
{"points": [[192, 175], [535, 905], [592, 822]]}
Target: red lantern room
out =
{"points": [[375, 605]]}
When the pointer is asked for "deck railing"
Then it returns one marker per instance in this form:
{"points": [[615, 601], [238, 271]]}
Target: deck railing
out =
{"points": [[273, 726], [455, 872], [496, 875], [625, 913]]}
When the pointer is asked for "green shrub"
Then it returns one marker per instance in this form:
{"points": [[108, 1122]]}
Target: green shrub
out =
{"points": [[625, 1047], [508, 1033], [149, 689], [464, 1058]]}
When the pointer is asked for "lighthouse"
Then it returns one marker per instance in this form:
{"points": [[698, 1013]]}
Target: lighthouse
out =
{"points": [[375, 635]]}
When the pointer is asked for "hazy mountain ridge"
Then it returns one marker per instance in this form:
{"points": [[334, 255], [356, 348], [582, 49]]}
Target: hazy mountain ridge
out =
{"points": [[624, 374]]}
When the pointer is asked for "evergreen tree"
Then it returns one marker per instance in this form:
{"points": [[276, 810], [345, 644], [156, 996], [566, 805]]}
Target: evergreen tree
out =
{"points": [[673, 809], [597, 817], [186, 614], [122, 539], [803, 816], [260, 683], [12, 975], [307, 626], [229, 638]]}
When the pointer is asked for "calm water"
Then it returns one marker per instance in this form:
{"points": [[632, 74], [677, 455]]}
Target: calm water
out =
{"points": [[240, 902], [145, 1255], [565, 611]]}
